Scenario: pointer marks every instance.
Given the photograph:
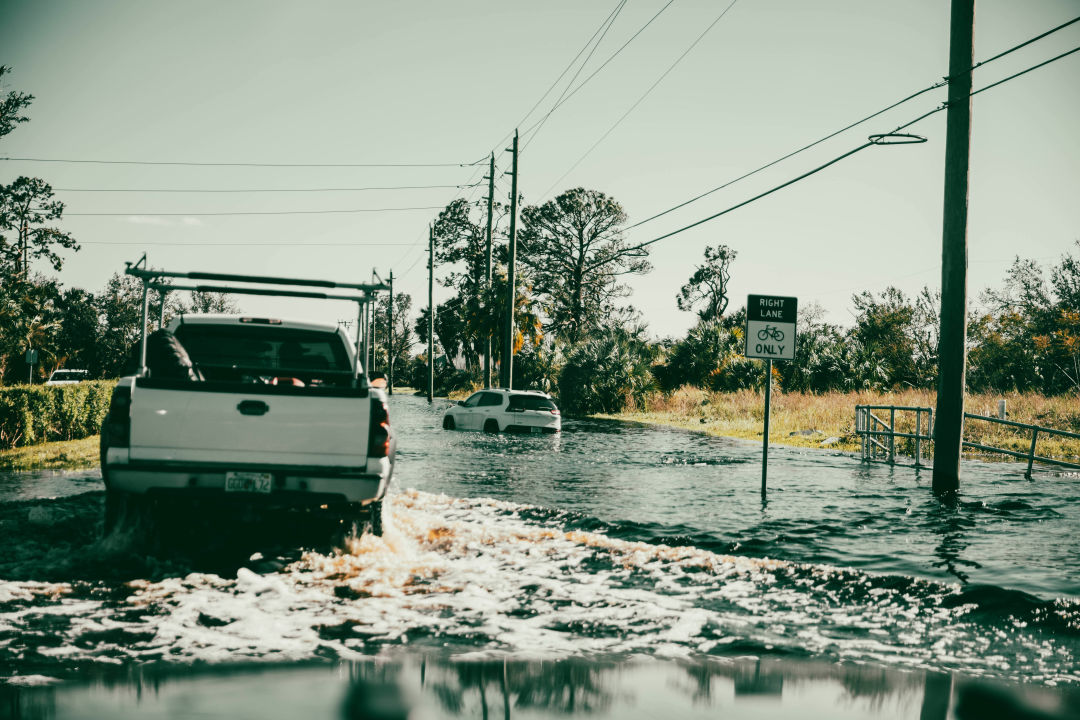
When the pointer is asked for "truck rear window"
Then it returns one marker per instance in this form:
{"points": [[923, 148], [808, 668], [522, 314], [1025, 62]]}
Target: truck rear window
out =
{"points": [[280, 351]]}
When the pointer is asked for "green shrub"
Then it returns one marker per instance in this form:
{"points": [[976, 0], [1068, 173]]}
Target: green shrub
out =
{"points": [[607, 373], [30, 415]]}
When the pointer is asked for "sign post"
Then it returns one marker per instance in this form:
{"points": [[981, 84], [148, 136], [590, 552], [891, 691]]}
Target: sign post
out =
{"points": [[31, 359], [770, 335]]}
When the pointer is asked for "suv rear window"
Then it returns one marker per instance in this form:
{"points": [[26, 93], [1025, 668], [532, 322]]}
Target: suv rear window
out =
{"points": [[254, 348], [68, 375], [530, 402]]}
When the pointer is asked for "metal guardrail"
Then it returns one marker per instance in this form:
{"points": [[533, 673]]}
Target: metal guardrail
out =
{"points": [[870, 426], [1030, 455]]}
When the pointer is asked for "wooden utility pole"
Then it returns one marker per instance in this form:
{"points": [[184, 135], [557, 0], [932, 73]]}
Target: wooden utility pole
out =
{"points": [[390, 338], [952, 352], [507, 369], [487, 258], [24, 240], [373, 323], [431, 314], [364, 331]]}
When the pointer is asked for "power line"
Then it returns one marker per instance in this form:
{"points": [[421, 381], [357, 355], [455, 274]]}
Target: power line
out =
{"points": [[547, 92], [261, 190], [234, 164], [835, 160], [642, 98], [831, 135], [300, 244], [539, 125], [593, 74], [260, 212]]}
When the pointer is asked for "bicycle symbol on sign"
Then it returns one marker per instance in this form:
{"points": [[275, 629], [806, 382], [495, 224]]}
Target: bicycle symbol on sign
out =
{"points": [[770, 332]]}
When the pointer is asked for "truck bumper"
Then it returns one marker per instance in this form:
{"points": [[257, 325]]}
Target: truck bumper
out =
{"points": [[290, 486]]}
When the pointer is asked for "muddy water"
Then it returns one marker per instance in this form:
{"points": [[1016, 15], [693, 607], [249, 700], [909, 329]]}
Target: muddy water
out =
{"points": [[608, 541]]}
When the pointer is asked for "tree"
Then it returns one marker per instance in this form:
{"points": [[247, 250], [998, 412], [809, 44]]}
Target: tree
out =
{"points": [[708, 286], [401, 340], [77, 341], [28, 319], [120, 308], [609, 371], [885, 328], [200, 303], [11, 106], [575, 252], [26, 207], [461, 244]]}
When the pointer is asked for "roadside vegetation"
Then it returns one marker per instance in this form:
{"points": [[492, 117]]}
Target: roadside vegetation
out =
{"points": [[828, 420], [59, 455], [573, 335]]}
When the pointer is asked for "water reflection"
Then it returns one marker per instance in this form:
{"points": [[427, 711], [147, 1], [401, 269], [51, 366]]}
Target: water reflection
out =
{"points": [[431, 687], [950, 523]]}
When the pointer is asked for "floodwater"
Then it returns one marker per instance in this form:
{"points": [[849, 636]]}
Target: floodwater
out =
{"points": [[637, 555]]}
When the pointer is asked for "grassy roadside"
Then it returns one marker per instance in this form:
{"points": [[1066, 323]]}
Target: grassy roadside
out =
{"points": [[828, 420], [60, 455]]}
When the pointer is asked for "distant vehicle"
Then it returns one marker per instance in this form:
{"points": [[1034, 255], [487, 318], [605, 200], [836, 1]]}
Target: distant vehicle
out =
{"points": [[500, 410], [251, 414], [67, 376]]}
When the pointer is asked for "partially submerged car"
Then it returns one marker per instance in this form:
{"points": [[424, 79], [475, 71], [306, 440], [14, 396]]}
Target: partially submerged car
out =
{"points": [[249, 413], [501, 410], [67, 376]]}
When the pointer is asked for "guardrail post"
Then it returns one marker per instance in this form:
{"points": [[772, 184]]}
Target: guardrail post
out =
{"points": [[918, 437], [892, 435], [1031, 453]]}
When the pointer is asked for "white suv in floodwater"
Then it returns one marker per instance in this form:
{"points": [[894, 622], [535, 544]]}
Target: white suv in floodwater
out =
{"points": [[67, 376], [498, 409]]}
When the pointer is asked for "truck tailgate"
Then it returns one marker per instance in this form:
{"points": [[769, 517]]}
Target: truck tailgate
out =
{"points": [[206, 425]]}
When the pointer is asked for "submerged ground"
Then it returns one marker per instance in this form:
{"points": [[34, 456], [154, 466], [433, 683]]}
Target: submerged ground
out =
{"points": [[610, 542]]}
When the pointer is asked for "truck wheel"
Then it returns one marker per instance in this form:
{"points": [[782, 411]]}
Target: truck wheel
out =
{"points": [[448, 423], [127, 511], [114, 510], [375, 523], [491, 426]]}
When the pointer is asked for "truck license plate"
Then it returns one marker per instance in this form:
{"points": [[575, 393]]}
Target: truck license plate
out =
{"points": [[536, 430], [251, 482]]}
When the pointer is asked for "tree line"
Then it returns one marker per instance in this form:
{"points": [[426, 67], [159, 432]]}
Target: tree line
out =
{"points": [[574, 335]]}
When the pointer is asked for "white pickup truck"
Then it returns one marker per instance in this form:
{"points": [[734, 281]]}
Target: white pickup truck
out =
{"points": [[256, 413]]}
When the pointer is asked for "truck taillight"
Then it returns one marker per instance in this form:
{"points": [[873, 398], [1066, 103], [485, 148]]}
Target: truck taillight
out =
{"points": [[379, 429], [118, 422]]}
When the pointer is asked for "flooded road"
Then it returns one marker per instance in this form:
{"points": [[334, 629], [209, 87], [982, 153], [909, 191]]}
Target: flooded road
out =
{"points": [[609, 541]]}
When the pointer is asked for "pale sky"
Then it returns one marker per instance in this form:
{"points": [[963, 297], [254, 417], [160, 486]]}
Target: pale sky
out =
{"points": [[446, 82]]}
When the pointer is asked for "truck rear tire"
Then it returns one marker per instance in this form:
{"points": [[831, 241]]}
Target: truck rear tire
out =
{"points": [[375, 523], [491, 426], [448, 423]]}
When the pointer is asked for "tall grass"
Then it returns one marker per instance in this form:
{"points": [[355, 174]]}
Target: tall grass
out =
{"points": [[832, 415]]}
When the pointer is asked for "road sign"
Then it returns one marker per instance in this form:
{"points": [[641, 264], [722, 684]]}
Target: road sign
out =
{"points": [[770, 327], [31, 356]]}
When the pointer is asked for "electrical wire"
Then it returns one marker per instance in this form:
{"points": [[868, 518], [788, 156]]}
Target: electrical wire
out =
{"points": [[831, 135], [243, 244], [845, 155], [642, 98], [260, 190], [540, 125], [547, 92], [258, 212], [236, 164], [595, 72]]}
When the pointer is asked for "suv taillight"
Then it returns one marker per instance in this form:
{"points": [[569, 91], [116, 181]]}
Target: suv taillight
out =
{"points": [[117, 427], [379, 430]]}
